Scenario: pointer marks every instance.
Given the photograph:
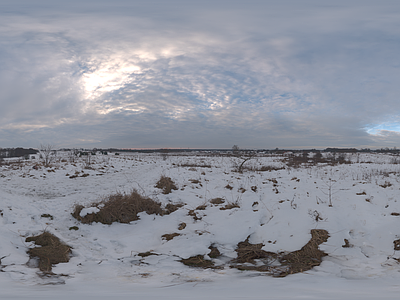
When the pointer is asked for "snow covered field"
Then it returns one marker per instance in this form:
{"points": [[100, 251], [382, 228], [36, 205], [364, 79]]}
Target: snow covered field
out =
{"points": [[277, 208]]}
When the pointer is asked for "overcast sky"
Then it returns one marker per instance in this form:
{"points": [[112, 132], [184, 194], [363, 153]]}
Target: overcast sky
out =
{"points": [[200, 74]]}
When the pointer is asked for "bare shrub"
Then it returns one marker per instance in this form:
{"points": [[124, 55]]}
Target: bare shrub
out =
{"points": [[47, 154], [119, 207], [166, 184]]}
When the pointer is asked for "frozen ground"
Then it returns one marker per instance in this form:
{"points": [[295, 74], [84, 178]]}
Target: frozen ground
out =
{"points": [[276, 208]]}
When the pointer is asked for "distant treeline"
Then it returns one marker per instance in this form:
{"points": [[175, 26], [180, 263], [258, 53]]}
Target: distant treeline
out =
{"points": [[16, 152], [272, 151]]}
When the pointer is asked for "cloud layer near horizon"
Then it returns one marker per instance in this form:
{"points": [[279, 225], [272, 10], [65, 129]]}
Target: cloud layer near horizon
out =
{"points": [[181, 74]]}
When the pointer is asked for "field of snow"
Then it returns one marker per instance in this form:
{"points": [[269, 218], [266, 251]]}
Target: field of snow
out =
{"points": [[358, 204]]}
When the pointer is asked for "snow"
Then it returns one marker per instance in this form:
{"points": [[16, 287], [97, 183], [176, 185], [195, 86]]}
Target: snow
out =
{"points": [[280, 212]]}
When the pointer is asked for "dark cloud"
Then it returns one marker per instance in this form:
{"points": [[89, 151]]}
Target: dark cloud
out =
{"points": [[260, 74]]}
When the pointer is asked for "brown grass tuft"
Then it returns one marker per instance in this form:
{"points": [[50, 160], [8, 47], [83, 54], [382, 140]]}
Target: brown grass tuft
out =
{"points": [[52, 250], [169, 236], [198, 261], [119, 207], [214, 253], [166, 184], [307, 257], [170, 208], [230, 206], [280, 264], [216, 201]]}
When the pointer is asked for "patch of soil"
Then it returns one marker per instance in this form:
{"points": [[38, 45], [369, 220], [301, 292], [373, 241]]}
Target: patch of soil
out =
{"points": [[166, 184], [52, 250], [119, 207], [169, 236], [198, 261]]}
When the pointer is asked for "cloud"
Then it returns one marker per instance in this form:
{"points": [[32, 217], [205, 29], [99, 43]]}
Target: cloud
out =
{"points": [[185, 74]]}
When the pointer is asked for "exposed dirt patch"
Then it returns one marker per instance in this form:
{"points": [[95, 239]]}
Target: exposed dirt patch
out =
{"points": [[166, 184], [119, 207], [52, 250]]}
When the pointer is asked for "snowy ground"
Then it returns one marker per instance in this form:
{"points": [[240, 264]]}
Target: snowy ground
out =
{"points": [[277, 208]]}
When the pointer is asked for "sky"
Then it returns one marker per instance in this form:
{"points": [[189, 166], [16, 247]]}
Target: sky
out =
{"points": [[200, 74]]}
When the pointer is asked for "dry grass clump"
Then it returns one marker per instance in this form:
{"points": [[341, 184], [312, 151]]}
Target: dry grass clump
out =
{"points": [[52, 250], [230, 206], [214, 253], [307, 257], [217, 201], [187, 165], [198, 261], [396, 244], [247, 253], [119, 207], [170, 208], [169, 236], [281, 264], [166, 184], [263, 168], [145, 254]]}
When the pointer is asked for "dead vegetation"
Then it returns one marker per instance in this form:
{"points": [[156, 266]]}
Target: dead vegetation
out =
{"points": [[122, 208], [170, 208], [166, 184], [52, 250], [169, 236], [230, 206], [396, 244], [217, 201], [252, 257], [198, 261]]}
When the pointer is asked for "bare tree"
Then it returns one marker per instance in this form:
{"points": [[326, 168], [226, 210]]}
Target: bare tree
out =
{"points": [[243, 156], [47, 153]]}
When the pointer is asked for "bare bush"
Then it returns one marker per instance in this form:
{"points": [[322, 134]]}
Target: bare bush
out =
{"points": [[47, 154]]}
